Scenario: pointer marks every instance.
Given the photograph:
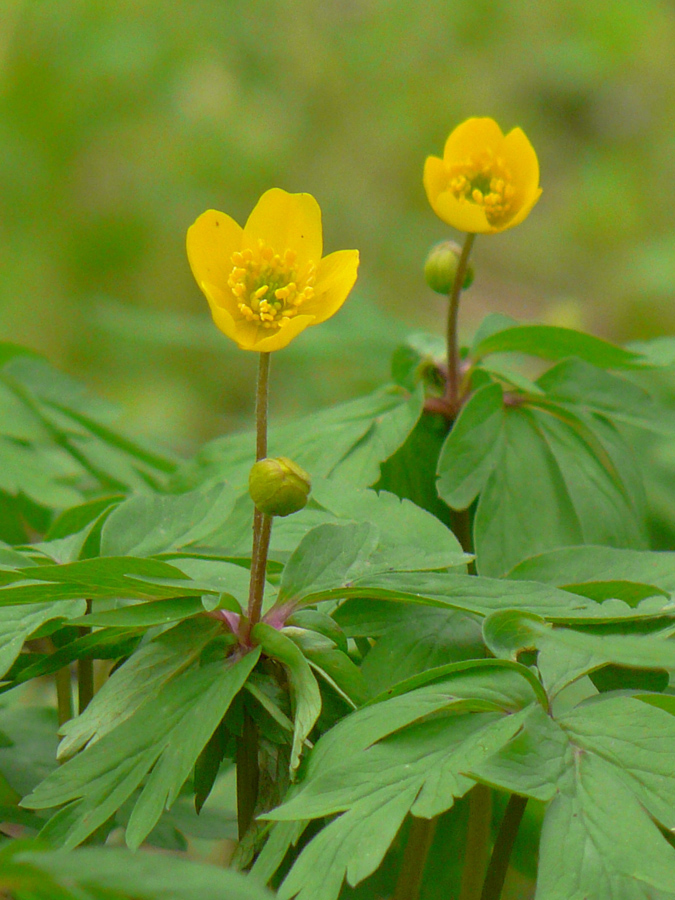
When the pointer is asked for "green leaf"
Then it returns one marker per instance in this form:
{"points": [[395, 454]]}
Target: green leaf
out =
{"points": [[472, 448], [348, 441], [422, 639], [375, 776], [18, 623], [550, 342], [73, 520], [566, 654], [139, 680], [410, 472], [620, 774], [145, 615], [474, 594], [149, 524], [161, 740], [305, 695], [579, 384], [141, 876], [40, 476], [32, 753], [552, 460], [410, 538], [580, 565], [328, 556]]}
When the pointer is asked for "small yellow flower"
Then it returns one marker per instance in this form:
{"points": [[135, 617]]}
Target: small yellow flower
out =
{"points": [[267, 282], [486, 181]]}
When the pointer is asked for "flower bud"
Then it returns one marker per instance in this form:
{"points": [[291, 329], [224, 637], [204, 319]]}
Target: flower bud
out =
{"points": [[441, 267], [278, 486]]}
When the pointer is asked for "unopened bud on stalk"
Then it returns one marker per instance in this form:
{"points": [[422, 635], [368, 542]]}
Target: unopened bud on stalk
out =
{"points": [[278, 486], [441, 267]]}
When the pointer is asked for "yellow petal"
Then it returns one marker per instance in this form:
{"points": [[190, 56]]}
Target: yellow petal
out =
{"points": [[461, 214], [286, 222], [335, 278], [283, 336], [224, 310], [524, 166], [471, 136], [435, 178], [211, 241], [523, 212]]}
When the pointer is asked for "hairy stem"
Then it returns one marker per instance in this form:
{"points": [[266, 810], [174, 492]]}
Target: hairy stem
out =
{"points": [[85, 674], [420, 839], [477, 842], [499, 862], [452, 391], [64, 695], [262, 528], [261, 404], [248, 775]]}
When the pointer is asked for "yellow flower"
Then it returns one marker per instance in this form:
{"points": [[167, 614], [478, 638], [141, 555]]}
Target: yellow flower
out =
{"points": [[267, 282], [486, 181]]}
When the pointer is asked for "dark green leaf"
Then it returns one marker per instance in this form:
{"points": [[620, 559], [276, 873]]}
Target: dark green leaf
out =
{"points": [[165, 735], [550, 342], [141, 876], [472, 448], [305, 694]]}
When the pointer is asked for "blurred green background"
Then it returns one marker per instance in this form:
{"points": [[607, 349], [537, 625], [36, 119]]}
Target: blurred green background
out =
{"points": [[121, 121]]}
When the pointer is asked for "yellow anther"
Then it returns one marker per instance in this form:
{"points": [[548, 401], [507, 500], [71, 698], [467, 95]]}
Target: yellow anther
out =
{"points": [[267, 286], [477, 197]]}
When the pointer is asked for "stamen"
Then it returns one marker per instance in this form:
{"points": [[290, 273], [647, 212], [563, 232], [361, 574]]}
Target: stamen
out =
{"points": [[485, 180], [268, 286]]}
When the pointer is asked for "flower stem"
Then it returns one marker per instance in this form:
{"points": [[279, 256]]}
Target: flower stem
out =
{"points": [[64, 695], [420, 839], [499, 862], [477, 842], [261, 404], [452, 391], [85, 674], [248, 775], [262, 523]]}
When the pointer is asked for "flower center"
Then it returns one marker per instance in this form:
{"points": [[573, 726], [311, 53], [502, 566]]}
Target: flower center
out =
{"points": [[485, 180], [270, 288]]}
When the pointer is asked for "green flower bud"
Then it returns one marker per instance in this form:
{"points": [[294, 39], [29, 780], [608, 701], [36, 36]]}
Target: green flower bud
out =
{"points": [[278, 486], [441, 267]]}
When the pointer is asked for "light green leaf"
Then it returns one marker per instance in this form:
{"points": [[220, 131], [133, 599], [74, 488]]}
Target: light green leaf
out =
{"points": [[472, 448], [140, 679], [579, 565], [410, 538], [305, 694], [18, 623], [328, 556], [155, 523], [566, 654], [580, 385], [143, 876], [348, 441], [552, 460], [422, 639], [550, 342], [162, 740], [418, 768]]}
